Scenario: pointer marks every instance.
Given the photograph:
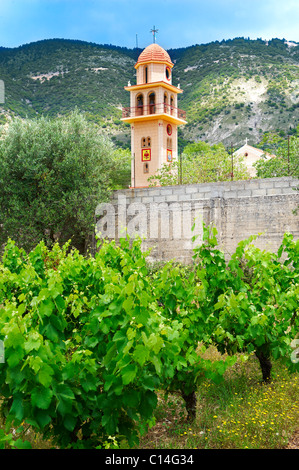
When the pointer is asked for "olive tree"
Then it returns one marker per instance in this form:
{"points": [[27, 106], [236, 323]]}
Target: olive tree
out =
{"points": [[53, 173]]}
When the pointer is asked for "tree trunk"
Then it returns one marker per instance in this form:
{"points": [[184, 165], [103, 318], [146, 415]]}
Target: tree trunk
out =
{"points": [[190, 401], [265, 364]]}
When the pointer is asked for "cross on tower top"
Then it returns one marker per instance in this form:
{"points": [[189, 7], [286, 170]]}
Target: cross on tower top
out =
{"points": [[154, 31]]}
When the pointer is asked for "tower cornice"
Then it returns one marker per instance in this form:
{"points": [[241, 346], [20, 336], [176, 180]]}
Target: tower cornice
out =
{"points": [[154, 117], [154, 62]]}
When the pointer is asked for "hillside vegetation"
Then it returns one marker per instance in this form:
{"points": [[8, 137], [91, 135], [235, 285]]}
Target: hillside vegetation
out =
{"points": [[232, 89]]}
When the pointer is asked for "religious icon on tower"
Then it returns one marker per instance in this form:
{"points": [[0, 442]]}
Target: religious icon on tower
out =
{"points": [[145, 155], [169, 155]]}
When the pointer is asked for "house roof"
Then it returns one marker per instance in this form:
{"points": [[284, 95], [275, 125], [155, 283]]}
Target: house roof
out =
{"points": [[253, 151]]}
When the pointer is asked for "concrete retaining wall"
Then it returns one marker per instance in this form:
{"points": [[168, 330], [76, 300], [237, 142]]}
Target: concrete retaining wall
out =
{"points": [[238, 209]]}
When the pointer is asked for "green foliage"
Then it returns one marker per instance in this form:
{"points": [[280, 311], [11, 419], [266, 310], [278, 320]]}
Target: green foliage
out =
{"points": [[52, 77], [89, 341], [8, 442], [253, 299], [121, 168], [286, 161], [85, 343], [53, 173], [167, 175], [183, 299], [201, 163]]}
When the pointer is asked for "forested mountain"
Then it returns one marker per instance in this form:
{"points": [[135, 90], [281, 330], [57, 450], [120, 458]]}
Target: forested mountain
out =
{"points": [[232, 89]]}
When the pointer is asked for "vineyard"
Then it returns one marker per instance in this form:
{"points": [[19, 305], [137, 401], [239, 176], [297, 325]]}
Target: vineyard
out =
{"points": [[91, 342]]}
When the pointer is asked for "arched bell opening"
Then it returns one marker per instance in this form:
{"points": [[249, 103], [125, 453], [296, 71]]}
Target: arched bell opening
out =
{"points": [[152, 103], [139, 105], [166, 106], [171, 105]]}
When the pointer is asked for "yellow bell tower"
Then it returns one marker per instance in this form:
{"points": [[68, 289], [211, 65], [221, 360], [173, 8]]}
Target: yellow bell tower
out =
{"points": [[153, 115]]}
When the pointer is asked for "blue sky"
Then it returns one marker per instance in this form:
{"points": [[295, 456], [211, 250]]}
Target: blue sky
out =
{"points": [[180, 23]]}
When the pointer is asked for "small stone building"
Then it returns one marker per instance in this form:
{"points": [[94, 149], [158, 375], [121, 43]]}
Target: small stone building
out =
{"points": [[252, 155]]}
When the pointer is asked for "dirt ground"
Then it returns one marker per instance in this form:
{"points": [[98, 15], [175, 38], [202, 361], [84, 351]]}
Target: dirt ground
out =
{"points": [[294, 441]]}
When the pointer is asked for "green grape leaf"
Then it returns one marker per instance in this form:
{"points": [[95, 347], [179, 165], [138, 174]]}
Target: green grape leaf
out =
{"points": [[41, 397]]}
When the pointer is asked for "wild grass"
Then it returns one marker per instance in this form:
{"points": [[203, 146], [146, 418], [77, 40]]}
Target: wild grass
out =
{"points": [[239, 413]]}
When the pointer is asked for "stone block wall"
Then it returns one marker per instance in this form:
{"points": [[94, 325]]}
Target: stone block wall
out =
{"points": [[238, 209]]}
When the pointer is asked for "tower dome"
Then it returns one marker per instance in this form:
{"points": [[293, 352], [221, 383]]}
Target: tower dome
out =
{"points": [[154, 53]]}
